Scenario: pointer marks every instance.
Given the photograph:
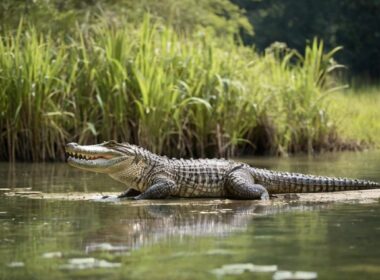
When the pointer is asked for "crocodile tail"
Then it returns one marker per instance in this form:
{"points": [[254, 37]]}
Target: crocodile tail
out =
{"points": [[283, 182]]}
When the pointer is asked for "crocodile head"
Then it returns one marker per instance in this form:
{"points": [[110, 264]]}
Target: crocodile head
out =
{"points": [[107, 157]]}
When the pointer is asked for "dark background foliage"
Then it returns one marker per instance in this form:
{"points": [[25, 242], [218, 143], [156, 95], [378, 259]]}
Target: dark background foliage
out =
{"points": [[355, 25]]}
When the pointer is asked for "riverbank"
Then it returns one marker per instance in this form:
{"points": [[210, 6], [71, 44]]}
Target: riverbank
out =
{"points": [[358, 196]]}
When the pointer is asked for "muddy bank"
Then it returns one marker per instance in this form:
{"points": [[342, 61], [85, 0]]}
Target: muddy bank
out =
{"points": [[362, 196]]}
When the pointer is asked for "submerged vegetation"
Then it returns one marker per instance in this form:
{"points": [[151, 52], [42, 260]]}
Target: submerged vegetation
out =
{"points": [[176, 93]]}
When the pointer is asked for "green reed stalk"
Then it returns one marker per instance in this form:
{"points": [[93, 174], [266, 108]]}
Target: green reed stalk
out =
{"points": [[32, 88]]}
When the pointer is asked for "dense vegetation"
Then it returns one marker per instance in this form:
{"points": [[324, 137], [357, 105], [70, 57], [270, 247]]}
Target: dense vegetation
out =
{"points": [[179, 86]]}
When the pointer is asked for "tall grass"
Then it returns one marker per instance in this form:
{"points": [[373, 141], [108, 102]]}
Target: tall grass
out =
{"points": [[33, 93], [302, 90], [176, 94], [357, 115]]}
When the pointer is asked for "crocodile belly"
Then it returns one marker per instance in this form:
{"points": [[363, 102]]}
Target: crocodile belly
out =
{"points": [[200, 190]]}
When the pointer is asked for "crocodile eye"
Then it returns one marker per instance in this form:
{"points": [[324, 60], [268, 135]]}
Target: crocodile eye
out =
{"points": [[110, 143]]}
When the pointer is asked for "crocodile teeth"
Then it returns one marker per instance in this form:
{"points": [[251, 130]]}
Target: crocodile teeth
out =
{"points": [[82, 156]]}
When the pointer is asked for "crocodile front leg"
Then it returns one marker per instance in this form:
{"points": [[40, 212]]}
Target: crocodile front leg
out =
{"points": [[161, 189], [241, 185]]}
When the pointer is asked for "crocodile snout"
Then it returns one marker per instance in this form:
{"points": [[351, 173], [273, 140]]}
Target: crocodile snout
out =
{"points": [[71, 145]]}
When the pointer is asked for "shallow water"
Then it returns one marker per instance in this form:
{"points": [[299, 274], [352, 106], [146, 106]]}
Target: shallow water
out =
{"points": [[185, 239]]}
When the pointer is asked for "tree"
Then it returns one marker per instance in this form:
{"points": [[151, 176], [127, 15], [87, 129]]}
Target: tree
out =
{"points": [[351, 24], [61, 16]]}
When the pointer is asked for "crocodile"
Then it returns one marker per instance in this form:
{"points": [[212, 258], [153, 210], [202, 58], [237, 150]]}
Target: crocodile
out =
{"points": [[150, 176]]}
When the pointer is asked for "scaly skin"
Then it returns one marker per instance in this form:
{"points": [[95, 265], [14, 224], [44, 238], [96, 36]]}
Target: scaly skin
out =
{"points": [[149, 176]]}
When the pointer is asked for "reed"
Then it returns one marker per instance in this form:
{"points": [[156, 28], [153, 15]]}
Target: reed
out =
{"points": [[301, 89], [177, 94], [33, 90]]}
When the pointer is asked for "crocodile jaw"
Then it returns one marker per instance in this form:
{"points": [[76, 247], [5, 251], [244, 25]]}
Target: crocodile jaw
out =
{"points": [[96, 158]]}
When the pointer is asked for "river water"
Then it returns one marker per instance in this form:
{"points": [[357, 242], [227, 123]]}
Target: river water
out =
{"points": [[185, 239]]}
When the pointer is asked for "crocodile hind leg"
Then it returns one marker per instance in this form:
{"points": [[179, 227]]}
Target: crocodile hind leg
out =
{"points": [[241, 185], [161, 189], [129, 193]]}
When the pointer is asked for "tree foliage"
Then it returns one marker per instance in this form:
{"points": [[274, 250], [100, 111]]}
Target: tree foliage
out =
{"points": [[355, 25], [62, 16]]}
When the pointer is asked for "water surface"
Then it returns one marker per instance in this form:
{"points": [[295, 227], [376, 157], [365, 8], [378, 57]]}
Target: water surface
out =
{"points": [[184, 239]]}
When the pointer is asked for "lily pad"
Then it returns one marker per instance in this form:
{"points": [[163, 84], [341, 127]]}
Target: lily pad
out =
{"points": [[239, 268], [16, 264], [297, 275], [106, 247], [88, 263], [51, 255]]}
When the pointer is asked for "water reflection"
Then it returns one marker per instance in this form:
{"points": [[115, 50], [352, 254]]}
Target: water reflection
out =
{"points": [[133, 224], [149, 224]]}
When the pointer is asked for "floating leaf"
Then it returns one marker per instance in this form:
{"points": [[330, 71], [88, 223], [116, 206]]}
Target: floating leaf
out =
{"points": [[240, 268]]}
